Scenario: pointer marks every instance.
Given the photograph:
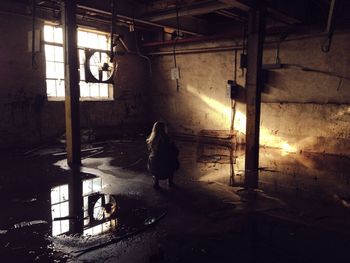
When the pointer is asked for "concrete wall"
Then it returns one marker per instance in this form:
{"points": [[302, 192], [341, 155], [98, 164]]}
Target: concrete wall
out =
{"points": [[27, 117], [302, 110]]}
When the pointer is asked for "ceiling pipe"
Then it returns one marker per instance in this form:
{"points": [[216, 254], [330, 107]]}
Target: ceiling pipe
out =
{"points": [[190, 40], [230, 47], [299, 33], [197, 50], [137, 20]]}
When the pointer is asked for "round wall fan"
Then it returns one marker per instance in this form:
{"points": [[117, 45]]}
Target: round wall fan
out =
{"points": [[98, 68], [101, 207]]}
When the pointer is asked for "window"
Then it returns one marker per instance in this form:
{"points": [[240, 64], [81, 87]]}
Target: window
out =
{"points": [[53, 37], [59, 209]]}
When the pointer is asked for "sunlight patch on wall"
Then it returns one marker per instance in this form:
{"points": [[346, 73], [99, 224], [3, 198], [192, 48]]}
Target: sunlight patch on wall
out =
{"points": [[222, 112], [266, 137]]}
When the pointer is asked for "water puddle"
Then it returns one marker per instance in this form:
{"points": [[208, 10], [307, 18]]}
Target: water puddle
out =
{"points": [[75, 217]]}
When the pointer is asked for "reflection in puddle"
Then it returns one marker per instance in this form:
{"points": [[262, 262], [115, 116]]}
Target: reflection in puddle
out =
{"points": [[97, 214], [59, 209], [311, 175]]}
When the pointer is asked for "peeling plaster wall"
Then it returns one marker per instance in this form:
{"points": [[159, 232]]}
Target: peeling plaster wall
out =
{"points": [[305, 106], [27, 117]]}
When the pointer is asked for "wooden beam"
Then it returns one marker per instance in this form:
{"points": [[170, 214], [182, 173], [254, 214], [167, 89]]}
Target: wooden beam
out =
{"points": [[190, 23], [76, 202], [72, 92], [256, 32], [124, 18], [189, 10], [246, 5]]}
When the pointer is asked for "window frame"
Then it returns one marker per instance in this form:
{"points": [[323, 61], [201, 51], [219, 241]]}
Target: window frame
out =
{"points": [[110, 87]]}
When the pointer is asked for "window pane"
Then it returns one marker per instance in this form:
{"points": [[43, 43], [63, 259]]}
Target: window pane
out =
{"points": [[82, 72], [58, 35], [51, 92], [84, 89], [64, 226], [48, 33], [55, 62], [60, 88], [93, 40], [56, 228], [87, 187], [64, 193], [59, 70], [81, 56], [104, 90], [102, 42], [50, 70], [64, 207], [55, 211], [94, 90], [82, 39], [59, 54], [49, 53], [55, 193], [97, 184]]}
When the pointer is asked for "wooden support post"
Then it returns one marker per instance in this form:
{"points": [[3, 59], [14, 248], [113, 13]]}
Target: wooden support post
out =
{"points": [[72, 92], [256, 32], [76, 202]]}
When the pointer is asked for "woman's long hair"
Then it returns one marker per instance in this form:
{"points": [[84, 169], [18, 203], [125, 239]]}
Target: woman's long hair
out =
{"points": [[157, 135]]}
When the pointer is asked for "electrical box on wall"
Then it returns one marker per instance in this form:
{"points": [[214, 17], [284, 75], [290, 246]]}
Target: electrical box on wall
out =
{"points": [[37, 40], [232, 89], [175, 73]]}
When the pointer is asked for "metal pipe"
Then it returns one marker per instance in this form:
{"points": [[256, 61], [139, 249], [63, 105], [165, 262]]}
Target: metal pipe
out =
{"points": [[197, 50], [228, 48], [189, 40], [135, 19]]}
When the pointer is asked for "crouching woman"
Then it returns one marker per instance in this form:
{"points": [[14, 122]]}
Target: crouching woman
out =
{"points": [[163, 157]]}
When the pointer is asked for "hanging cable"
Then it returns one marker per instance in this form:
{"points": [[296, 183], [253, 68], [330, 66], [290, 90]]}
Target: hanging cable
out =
{"points": [[233, 102], [138, 52], [34, 64], [176, 38], [113, 21], [244, 52]]}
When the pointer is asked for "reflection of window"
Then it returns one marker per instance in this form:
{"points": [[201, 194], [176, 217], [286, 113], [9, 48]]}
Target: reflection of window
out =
{"points": [[53, 37], [101, 228], [90, 186], [59, 208]]}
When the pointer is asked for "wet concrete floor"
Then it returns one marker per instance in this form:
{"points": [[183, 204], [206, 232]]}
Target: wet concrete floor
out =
{"points": [[108, 211]]}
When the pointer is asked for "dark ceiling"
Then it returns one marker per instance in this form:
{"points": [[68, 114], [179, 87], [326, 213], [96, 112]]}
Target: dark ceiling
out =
{"points": [[199, 17]]}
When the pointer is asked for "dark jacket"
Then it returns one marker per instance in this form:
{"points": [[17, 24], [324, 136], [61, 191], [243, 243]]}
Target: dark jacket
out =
{"points": [[163, 161]]}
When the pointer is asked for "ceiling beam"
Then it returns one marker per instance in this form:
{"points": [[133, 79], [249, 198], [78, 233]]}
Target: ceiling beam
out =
{"points": [[189, 10], [131, 20], [231, 15], [217, 6], [191, 24], [246, 5]]}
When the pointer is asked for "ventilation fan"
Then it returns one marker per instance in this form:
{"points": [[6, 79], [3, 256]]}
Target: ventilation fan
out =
{"points": [[101, 207], [97, 65]]}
